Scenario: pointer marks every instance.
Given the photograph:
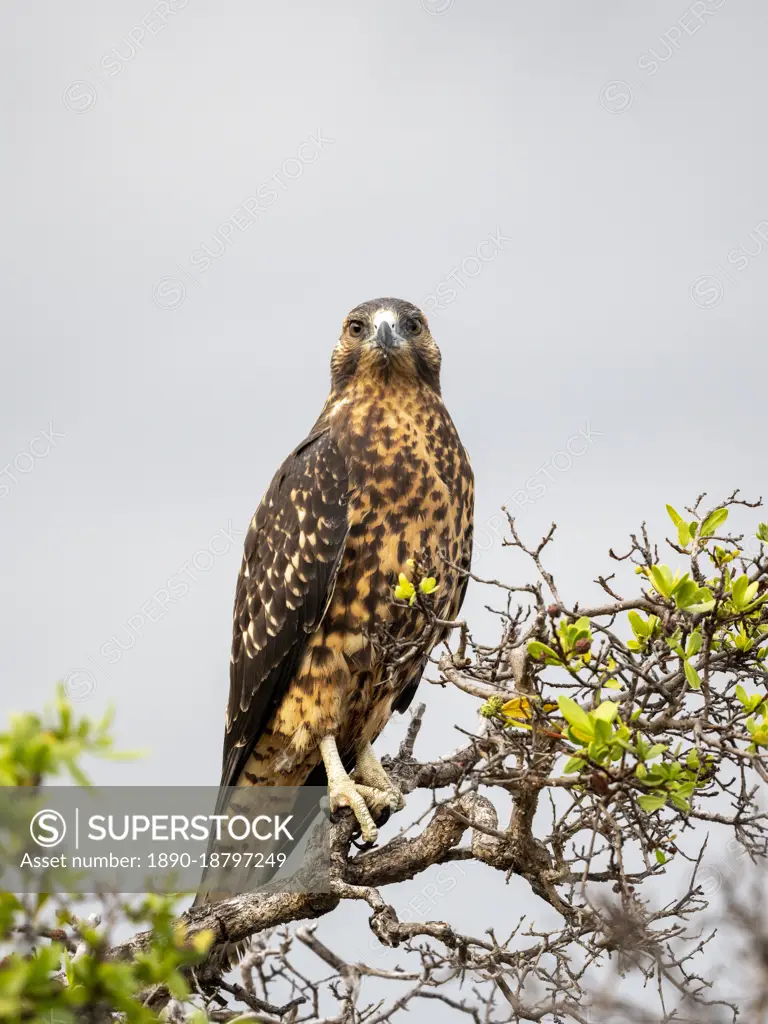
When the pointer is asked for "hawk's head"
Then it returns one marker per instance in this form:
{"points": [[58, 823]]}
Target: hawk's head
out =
{"points": [[386, 339]]}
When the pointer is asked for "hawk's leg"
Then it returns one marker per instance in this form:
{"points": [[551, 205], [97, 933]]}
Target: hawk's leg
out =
{"points": [[346, 793], [369, 771]]}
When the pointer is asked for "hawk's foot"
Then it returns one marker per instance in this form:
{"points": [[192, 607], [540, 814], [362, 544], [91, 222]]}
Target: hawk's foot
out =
{"points": [[369, 771], [380, 802], [346, 793]]}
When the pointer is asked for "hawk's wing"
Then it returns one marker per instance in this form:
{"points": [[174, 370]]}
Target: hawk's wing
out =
{"points": [[292, 553]]}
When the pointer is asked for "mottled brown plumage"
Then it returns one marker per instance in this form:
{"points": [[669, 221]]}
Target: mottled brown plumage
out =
{"points": [[381, 478]]}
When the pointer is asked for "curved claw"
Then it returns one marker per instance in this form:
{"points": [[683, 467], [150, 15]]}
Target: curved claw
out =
{"points": [[345, 793], [380, 800]]}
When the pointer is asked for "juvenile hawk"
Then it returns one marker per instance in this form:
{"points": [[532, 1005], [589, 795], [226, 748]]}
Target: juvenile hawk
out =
{"points": [[381, 479]]}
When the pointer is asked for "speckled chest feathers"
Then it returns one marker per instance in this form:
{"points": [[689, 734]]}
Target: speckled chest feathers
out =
{"points": [[407, 507]]}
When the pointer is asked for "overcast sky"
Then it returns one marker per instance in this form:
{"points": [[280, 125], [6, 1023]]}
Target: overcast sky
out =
{"points": [[194, 196]]}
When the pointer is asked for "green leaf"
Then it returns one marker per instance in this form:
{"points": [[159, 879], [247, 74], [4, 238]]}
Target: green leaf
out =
{"points": [[743, 592], [674, 516], [702, 602], [577, 718], [602, 732], [541, 652], [685, 592], [606, 712], [661, 577], [573, 764], [694, 680], [739, 590], [684, 533], [713, 521], [680, 802], [651, 802], [639, 625], [673, 642], [660, 856], [694, 644], [177, 986], [684, 537]]}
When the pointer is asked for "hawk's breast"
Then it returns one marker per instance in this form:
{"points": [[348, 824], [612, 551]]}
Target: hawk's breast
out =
{"points": [[411, 498]]}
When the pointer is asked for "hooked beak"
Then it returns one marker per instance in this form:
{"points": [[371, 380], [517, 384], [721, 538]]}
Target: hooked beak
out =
{"points": [[385, 338]]}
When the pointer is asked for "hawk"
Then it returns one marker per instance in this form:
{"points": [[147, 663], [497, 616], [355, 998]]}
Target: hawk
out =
{"points": [[381, 485]]}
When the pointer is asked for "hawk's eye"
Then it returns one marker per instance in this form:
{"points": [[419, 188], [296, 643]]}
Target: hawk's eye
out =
{"points": [[412, 327], [355, 328]]}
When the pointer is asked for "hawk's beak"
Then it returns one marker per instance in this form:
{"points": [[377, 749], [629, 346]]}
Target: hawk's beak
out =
{"points": [[385, 338]]}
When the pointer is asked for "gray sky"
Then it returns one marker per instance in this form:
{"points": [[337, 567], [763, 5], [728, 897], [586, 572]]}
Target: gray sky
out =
{"points": [[614, 151]]}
